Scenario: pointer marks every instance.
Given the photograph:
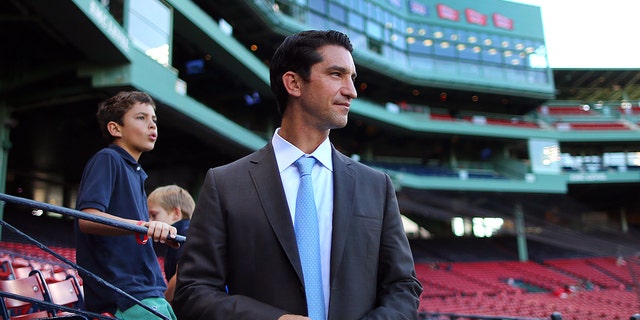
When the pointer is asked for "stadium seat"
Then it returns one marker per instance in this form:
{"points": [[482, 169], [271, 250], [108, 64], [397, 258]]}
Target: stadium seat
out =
{"points": [[21, 272], [66, 293], [32, 287], [6, 270]]}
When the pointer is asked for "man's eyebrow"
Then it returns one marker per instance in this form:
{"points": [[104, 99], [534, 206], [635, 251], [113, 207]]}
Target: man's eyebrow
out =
{"points": [[341, 70]]}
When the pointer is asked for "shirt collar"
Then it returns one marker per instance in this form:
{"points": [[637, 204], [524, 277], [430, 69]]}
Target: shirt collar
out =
{"points": [[287, 154], [123, 153]]}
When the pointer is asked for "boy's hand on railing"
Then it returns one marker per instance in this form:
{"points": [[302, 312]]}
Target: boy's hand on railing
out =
{"points": [[162, 232]]}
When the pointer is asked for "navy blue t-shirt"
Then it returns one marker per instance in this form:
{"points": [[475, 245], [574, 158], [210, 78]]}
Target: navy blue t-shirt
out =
{"points": [[113, 182]]}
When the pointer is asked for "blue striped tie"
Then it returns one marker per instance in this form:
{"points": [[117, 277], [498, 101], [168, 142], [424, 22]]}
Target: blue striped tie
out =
{"points": [[308, 238]]}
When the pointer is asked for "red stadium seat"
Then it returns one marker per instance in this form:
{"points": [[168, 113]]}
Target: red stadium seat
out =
{"points": [[32, 287], [66, 293]]}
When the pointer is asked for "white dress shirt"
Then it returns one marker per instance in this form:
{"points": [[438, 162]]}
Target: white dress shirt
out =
{"points": [[322, 176]]}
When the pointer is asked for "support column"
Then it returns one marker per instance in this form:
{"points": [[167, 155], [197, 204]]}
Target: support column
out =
{"points": [[523, 253], [623, 220]]}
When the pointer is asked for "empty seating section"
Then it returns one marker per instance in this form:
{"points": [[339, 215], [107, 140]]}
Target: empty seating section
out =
{"points": [[634, 110], [515, 123], [47, 279], [560, 117], [493, 275], [462, 279], [592, 125], [525, 289], [486, 120], [19, 259], [489, 288], [604, 304], [453, 282], [620, 271], [441, 117], [61, 283], [566, 110], [33, 251], [585, 269], [581, 118]]}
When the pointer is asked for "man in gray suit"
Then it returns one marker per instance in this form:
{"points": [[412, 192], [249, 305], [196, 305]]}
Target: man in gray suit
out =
{"points": [[241, 259]]}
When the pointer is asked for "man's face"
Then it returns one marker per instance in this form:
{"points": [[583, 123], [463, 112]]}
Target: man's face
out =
{"points": [[327, 96]]}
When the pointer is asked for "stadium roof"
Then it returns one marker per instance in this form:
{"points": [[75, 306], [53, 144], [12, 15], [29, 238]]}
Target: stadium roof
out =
{"points": [[590, 85]]}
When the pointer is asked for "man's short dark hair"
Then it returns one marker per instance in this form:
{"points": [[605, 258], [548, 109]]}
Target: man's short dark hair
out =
{"points": [[298, 53]]}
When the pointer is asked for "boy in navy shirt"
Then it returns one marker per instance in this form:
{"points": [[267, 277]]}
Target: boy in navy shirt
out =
{"points": [[112, 186]]}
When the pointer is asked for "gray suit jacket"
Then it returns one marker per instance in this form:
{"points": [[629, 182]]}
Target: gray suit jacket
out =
{"points": [[241, 239]]}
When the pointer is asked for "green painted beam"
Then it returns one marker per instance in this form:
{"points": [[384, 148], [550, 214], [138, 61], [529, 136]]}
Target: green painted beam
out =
{"points": [[108, 41], [163, 84], [202, 31], [422, 123], [540, 183]]}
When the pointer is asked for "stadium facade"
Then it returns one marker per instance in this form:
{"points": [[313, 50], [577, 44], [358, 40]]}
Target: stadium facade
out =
{"points": [[456, 103]]}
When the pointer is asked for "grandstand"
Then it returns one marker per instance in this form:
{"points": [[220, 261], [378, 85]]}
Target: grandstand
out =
{"points": [[521, 178]]}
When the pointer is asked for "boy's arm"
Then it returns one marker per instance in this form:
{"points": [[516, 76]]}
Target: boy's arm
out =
{"points": [[171, 287], [158, 231], [91, 227]]}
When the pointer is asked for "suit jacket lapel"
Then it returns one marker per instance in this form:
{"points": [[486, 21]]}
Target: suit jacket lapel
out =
{"points": [[266, 178], [343, 193]]}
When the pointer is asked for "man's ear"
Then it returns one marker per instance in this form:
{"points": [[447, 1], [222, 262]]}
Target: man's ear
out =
{"points": [[114, 129], [292, 81]]}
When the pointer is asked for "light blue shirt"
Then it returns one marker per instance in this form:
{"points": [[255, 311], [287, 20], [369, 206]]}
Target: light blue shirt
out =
{"points": [[322, 176]]}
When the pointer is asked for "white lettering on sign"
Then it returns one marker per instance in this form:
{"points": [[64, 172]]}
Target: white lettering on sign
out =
{"points": [[106, 22]]}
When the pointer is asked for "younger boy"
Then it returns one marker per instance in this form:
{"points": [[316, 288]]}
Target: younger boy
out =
{"points": [[112, 186], [173, 205]]}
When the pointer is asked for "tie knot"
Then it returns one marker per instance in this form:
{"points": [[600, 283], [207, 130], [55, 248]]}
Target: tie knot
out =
{"points": [[305, 164]]}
